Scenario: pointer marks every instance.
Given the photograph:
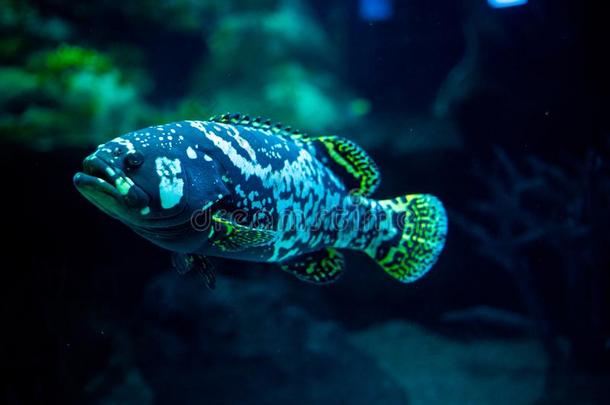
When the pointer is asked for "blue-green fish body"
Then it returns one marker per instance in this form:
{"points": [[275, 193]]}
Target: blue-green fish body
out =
{"points": [[241, 188]]}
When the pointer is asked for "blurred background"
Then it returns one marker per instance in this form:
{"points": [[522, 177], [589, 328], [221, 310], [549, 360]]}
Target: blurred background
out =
{"points": [[499, 109]]}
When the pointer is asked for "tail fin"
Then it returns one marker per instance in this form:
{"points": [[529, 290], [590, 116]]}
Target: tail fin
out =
{"points": [[421, 224]]}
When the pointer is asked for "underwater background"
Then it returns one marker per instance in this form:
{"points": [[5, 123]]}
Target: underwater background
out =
{"points": [[500, 108]]}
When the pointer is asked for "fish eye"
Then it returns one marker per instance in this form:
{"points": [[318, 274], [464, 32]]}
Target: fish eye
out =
{"points": [[133, 160]]}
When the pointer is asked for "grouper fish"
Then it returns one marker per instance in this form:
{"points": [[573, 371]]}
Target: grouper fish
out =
{"points": [[243, 188]]}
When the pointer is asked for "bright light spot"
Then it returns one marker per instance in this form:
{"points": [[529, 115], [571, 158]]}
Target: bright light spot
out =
{"points": [[376, 10], [506, 3]]}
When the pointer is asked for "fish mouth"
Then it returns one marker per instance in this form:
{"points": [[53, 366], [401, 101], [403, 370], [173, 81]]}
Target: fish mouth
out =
{"points": [[108, 187]]}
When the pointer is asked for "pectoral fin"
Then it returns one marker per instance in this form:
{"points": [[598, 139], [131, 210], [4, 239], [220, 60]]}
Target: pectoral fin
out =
{"points": [[320, 267], [230, 236]]}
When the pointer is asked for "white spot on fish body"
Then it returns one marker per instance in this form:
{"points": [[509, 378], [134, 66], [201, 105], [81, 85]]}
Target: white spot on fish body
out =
{"points": [[207, 158], [197, 125], [171, 187], [234, 133], [145, 211], [190, 152], [126, 143], [123, 185]]}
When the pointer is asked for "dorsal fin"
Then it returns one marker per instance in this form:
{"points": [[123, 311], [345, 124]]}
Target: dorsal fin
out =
{"points": [[350, 162], [257, 122]]}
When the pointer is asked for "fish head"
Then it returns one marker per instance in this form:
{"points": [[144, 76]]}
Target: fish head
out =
{"points": [[148, 184], [134, 181]]}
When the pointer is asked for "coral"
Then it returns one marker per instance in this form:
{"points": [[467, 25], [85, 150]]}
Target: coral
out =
{"points": [[67, 95], [21, 21], [544, 207], [182, 15], [67, 58], [15, 83], [266, 57], [275, 62], [514, 213]]}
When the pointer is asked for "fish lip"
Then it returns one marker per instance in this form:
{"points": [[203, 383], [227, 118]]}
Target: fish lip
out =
{"points": [[94, 188], [99, 175], [98, 167], [100, 178], [85, 180], [96, 174]]}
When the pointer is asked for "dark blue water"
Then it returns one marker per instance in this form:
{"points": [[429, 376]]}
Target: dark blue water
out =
{"points": [[500, 112]]}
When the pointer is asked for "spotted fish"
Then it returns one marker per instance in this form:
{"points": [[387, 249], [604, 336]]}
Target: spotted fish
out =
{"points": [[246, 189]]}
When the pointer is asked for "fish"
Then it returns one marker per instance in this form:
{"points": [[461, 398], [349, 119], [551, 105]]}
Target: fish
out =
{"points": [[245, 188]]}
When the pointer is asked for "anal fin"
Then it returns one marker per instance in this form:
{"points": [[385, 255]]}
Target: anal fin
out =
{"points": [[319, 267]]}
